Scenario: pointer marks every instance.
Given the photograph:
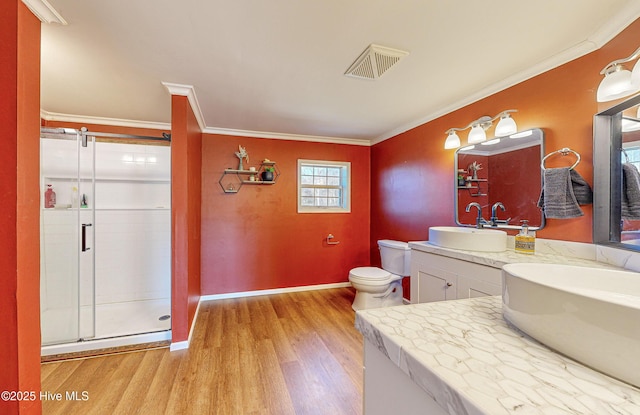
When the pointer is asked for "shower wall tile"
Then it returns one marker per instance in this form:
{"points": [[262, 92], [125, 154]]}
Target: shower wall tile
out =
{"points": [[141, 241]]}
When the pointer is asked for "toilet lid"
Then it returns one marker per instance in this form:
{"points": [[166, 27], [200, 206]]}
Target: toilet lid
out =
{"points": [[370, 273]]}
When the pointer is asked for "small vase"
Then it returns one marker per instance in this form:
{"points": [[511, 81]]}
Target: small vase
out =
{"points": [[267, 176]]}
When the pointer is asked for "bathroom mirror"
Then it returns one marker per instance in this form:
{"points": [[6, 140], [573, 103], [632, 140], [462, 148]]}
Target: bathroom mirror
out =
{"points": [[616, 159], [505, 170]]}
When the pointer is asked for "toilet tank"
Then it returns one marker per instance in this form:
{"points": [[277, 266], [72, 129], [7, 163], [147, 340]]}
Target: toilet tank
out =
{"points": [[395, 256]]}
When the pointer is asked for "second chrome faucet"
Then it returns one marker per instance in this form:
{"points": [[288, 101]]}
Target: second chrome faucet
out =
{"points": [[493, 221]]}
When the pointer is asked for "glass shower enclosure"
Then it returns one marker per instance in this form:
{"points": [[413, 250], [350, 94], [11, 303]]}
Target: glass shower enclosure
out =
{"points": [[105, 238]]}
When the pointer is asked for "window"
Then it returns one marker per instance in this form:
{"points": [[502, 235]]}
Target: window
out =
{"points": [[631, 154], [324, 186]]}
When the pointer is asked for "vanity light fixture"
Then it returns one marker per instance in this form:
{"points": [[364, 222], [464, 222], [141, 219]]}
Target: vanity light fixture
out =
{"points": [[619, 82], [505, 126]]}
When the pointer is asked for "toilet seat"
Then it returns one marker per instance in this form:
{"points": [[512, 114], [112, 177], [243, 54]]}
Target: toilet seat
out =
{"points": [[372, 276]]}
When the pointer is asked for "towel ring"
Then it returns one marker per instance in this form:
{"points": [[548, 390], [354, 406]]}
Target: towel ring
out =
{"points": [[564, 151]]}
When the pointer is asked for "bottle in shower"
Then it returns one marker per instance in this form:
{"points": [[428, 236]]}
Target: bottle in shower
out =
{"points": [[49, 197]]}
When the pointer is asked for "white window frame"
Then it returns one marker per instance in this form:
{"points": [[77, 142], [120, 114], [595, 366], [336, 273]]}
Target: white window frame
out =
{"points": [[345, 186]]}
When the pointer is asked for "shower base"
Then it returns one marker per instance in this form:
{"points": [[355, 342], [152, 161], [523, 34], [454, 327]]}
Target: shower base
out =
{"points": [[116, 325]]}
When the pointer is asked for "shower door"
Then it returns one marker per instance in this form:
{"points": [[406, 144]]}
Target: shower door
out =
{"points": [[106, 244], [67, 162]]}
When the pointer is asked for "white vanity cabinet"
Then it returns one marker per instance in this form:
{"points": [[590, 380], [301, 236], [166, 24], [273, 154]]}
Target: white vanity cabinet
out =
{"points": [[438, 278]]}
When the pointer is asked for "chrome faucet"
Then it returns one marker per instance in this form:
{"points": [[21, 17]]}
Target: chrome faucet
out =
{"points": [[494, 221], [480, 221]]}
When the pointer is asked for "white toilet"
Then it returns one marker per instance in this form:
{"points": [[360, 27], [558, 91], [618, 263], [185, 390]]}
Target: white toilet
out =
{"points": [[377, 287]]}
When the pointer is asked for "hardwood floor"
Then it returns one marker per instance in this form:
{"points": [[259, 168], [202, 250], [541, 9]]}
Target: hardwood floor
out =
{"points": [[296, 353]]}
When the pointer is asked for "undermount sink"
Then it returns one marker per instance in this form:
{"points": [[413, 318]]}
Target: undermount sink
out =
{"points": [[471, 239], [591, 315]]}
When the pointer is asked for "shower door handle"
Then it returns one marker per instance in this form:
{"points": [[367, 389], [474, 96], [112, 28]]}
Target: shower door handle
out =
{"points": [[84, 237]]}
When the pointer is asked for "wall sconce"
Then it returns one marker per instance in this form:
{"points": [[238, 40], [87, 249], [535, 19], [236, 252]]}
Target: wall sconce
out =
{"points": [[619, 82], [505, 126]]}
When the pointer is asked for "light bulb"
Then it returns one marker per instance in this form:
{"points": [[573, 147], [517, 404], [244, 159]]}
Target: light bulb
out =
{"points": [[616, 84], [476, 135], [506, 126], [452, 141]]}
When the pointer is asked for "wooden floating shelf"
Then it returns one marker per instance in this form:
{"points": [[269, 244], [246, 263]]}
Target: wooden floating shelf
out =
{"points": [[241, 171], [258, 182]]}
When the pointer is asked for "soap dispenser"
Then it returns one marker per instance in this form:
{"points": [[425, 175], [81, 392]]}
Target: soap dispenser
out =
{"points": [[525, 240]]}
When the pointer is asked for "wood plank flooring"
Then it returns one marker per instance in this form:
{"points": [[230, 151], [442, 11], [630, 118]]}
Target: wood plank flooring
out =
{"points": [[296, 353]]}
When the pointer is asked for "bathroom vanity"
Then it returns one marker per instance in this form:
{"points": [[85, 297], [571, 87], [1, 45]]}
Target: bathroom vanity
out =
{"points": [[448, 274], [462, 357], [435, 277]]}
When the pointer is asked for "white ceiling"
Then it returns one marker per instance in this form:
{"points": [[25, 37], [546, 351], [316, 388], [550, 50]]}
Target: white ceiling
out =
{"points": [[278, 66]]}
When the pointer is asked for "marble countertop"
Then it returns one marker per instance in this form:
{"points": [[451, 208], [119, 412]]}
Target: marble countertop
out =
{"points": [[546, 252], [471, 361]]}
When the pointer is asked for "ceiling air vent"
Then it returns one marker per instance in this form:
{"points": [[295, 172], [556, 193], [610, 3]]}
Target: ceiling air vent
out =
{"points": [[374, 62]]}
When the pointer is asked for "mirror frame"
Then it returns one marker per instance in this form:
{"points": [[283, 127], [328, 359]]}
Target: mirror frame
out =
{"points": [[499, 226], [607, 175]]}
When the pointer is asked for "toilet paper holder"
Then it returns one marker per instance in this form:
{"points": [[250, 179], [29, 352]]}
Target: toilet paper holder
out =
{"points": [[329, 238]]}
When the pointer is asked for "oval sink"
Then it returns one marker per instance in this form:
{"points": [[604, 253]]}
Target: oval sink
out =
{"points": [[589, 314], [471, 239]]}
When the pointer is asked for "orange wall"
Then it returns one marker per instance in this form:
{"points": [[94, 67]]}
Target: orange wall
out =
{"points": [[9, 342], [412, 174], [185, 211], [20, 211], [256, 240]]}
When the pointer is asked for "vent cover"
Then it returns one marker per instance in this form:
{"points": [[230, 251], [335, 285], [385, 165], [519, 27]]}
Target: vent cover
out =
{"points": [[374, 62]]}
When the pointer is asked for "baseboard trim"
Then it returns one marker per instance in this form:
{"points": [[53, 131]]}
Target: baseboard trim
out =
{"points": [[242, 294], [185, 344]]}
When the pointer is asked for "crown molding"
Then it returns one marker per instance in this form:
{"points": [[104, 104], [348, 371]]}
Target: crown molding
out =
{"points": [[612, 28], [623, 18], [54, 116], [45, 11], [546, 65], [82, 119], [285, 136], [189, 92]]}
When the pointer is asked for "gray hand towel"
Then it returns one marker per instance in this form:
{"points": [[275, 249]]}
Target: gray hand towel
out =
{"points": [[581, 189], [630, 192], [557, 199]]}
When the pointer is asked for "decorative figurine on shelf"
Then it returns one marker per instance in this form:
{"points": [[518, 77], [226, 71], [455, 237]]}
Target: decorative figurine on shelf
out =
{"points": [[473, 169], [242, 154]]}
